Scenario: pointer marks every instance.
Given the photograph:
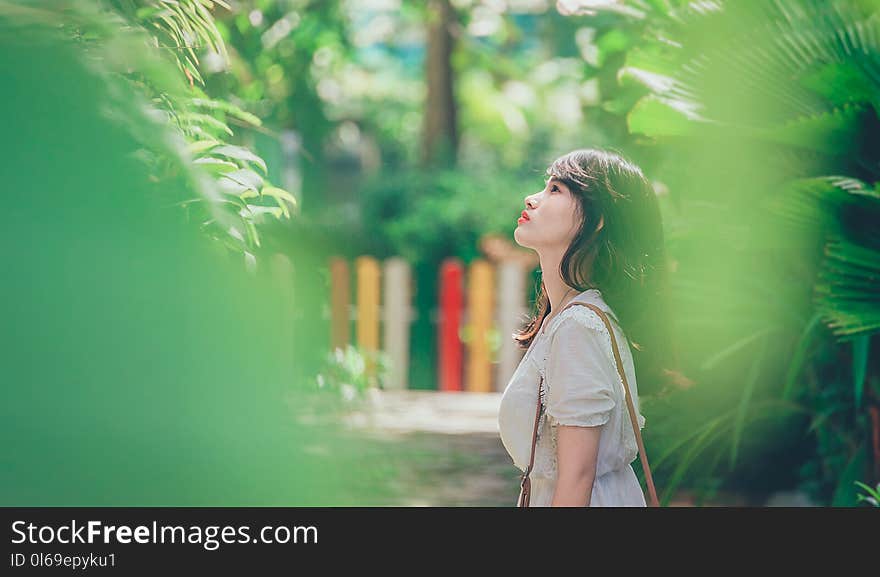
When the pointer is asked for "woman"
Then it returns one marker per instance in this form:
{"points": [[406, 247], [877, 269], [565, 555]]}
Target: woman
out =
{"points": [[597, 230]]}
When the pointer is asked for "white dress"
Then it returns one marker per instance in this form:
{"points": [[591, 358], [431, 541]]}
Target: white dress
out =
{"points": [[581, 387]]}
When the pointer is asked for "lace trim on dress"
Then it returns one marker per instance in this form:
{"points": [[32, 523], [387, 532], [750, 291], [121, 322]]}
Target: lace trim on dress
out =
{"points": [[545, 456]]}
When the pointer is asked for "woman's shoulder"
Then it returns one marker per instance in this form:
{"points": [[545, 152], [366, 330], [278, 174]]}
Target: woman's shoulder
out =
{"points": [[581, 329], [579, 318]]}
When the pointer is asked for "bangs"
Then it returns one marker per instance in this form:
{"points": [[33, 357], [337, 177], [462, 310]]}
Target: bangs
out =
{"points": [[570, 171]]}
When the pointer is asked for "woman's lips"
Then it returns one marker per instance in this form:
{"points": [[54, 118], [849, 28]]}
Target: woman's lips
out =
{"points": [[524, 217]]}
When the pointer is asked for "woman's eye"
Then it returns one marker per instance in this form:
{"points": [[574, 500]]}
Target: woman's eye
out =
{"points": [[554, 188]]}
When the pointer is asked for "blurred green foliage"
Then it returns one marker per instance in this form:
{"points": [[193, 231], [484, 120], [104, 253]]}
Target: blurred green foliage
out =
{"points": [[179, 32], [774, 108], [345, 373], [870, 496], [429, 215], [142, 364]]}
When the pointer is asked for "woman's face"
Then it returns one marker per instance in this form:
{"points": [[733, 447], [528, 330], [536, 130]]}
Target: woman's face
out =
{"points": [[550, 219]]}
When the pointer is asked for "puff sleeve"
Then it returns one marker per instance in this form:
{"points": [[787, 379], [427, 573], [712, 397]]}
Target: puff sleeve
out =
{"points": [[580, 388]]}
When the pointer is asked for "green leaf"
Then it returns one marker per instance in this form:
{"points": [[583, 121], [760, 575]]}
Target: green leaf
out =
{"points": [[847, 290], [845, 493], [751, 380], [615, 40], [147, 12], [231, 187], [679, 443], [861, 345], [210, 4], [826, 414], [712, 361], [836, 132], [800, 354], [258, 210], [208, 29], [841, 82], [215, 165], [192, 65], [199, 119], [656, 83], [246, 178], [228, 108], [172, 28], [202, 145], [693, 451], [282, 196], [240, 153], [804, 203], [253, 235], [873, 495], [657, 116]]}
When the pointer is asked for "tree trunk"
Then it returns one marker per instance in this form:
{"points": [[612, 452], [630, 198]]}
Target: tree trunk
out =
{"points": [[440, 134]]}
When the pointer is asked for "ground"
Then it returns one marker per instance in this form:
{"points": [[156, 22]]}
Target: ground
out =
{"points": [[441, 449]]}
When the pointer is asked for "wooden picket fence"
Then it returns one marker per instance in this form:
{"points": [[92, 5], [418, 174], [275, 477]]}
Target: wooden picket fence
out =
{"points": [[479, 307]]}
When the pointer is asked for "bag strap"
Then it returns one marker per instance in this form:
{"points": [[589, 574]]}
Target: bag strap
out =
{"points": [[525, 484]]}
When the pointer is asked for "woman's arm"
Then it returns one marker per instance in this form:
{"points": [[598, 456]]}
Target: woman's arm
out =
{"points": [[577, 450]]}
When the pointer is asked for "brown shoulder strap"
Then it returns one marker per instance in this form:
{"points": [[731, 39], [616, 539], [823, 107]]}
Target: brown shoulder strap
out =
{"points": [[526, 484]]}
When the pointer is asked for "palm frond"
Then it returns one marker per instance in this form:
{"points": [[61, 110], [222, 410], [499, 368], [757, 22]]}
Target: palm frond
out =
{"points": [[767, 51], [848, 291]]}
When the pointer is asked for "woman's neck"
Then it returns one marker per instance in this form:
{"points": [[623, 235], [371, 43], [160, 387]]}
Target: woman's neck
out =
{"points": [[557, 291]]}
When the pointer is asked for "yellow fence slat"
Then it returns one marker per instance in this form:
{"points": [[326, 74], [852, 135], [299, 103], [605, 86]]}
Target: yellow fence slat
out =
{"points": [[481, 310], [368, 308]]}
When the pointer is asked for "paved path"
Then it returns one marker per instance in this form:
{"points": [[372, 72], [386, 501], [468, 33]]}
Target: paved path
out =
{"points": [[432, 411], [445, 448]]}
